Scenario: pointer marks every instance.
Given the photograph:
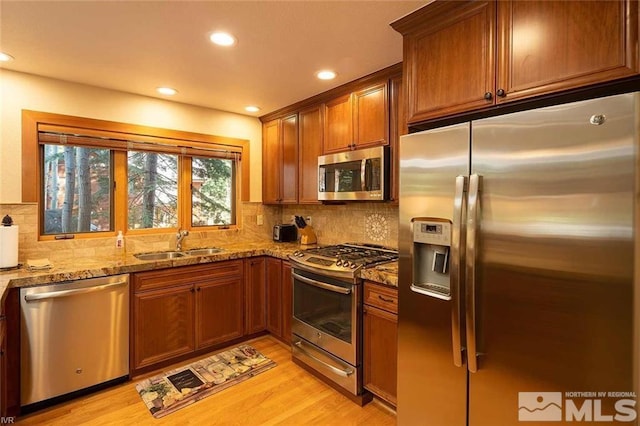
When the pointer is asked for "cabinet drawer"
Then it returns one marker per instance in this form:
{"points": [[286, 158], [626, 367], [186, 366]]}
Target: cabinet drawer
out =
{"points": [[150, 280], [381, 297]]}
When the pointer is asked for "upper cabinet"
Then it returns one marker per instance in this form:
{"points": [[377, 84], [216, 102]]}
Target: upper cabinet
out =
{"points": [[309, 148], [360, 114], [462, 56], [280, 161], [357, 120]]}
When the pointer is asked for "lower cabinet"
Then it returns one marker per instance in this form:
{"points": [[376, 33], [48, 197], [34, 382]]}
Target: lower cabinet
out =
{"points": [[163, 324], [181, 310], [279, 298], [219, 311], [380, 340], [287, 301], [255, 304]]}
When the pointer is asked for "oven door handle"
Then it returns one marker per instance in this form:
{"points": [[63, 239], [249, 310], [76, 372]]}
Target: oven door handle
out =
{"points": [[343, 373], [325, 286]]}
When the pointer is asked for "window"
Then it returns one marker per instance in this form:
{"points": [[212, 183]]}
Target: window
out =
{"points": [[94, 177], [77, 189], [152, 190], [212, 189]]}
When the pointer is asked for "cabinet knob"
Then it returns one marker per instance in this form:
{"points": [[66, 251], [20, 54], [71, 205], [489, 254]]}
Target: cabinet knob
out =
{"points": [[192, 290], [488, 96], [501, 93]]}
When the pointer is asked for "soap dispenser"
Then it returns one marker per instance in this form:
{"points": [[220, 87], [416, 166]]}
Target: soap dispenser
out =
{"points": [[120, 242]]}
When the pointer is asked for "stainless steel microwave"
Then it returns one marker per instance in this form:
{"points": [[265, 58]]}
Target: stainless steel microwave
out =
{"points": [[359, 175]]}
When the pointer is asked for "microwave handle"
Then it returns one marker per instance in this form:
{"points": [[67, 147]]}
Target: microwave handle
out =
{"points": [[366, 175]]}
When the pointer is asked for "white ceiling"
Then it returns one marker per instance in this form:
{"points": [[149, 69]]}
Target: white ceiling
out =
{"points": [[136, 46]]}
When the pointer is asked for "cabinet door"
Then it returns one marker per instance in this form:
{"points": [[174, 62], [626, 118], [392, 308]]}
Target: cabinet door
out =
{"points": [[219, 311], [449, 60], [3, 366], [287, 301], [338, 125], [380, 353], [309, 148], [289, 172], [271, 162], [163, 324], [371, 116], [397, 128], [255, 295], [555, 45], [274, 296]]}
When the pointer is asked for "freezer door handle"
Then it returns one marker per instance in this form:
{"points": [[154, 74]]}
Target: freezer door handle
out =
{"points": [[473, 218], [455, 270]]}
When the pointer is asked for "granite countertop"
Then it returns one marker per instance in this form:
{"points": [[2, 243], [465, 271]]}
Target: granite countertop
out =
{"points": [[387, 274], [81, 268]]}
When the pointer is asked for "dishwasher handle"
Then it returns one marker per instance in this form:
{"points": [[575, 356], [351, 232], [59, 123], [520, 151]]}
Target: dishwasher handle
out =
{"points": [[71, 292]]}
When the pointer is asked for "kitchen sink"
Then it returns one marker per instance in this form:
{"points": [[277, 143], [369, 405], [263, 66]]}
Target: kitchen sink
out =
{"points": [[203, 251], [163, 255]]}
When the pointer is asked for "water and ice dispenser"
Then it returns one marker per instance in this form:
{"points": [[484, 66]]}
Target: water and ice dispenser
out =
{"points": [[431, 245]]}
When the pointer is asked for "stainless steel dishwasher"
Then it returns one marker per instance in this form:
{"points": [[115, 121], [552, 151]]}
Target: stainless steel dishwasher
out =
{"points": [[74, 335]]}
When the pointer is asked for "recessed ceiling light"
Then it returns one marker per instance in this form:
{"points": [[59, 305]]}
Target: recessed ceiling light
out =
{"points": [[326, 75], [5, 57], [167, 91], [222, 39], [251, 108]]}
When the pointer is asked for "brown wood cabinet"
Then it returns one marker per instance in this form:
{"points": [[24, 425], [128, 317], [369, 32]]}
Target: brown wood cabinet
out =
{"points": [[181, 310], [380, 340], [219, 311], [309, 148], [163, 324], [280, 161], [255, 295], [279, 298], [397, 128], [357, 120], [468, 55], [287, 301], [3, 364], [274, 296]]}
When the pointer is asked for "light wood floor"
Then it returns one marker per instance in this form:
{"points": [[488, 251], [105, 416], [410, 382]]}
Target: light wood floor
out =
{"points": [[284, 395]]}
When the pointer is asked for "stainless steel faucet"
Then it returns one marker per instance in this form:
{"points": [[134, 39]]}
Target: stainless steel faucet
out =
{"points": [[179, 237]]}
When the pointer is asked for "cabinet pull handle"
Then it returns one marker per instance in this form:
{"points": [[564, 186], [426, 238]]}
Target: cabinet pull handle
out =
{"points": [[501, 93], [384, 299], [488, 96]]}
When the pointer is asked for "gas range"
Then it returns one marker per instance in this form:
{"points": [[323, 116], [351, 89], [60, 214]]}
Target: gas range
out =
{"points": [[342, 260]]}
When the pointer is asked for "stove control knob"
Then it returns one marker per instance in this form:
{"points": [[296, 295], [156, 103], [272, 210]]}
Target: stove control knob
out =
{"points": [[354, 266], [338, 262], [345, 263], [296, 253]]}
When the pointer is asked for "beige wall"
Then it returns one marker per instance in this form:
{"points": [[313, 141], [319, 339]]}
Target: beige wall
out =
{"points": [[20, 91]]}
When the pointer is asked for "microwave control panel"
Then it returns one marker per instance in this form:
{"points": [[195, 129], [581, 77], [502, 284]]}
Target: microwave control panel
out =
{"points": [[437, 232]]}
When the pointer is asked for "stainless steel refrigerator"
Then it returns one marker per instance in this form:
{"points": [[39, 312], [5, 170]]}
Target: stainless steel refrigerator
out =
{"points": [[516, 273]]}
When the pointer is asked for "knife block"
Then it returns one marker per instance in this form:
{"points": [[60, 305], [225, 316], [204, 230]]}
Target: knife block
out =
{"points": [[307, 235]]}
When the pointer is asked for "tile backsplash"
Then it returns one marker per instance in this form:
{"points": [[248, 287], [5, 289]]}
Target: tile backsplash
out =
{"points": [[375, 223]]}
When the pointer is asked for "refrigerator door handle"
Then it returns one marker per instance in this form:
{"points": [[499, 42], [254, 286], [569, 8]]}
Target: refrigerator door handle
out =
{"points": [[471, 250], [456, 272]]}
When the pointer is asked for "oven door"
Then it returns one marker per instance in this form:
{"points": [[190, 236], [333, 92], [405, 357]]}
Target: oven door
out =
{"points": [[326, 313]]}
